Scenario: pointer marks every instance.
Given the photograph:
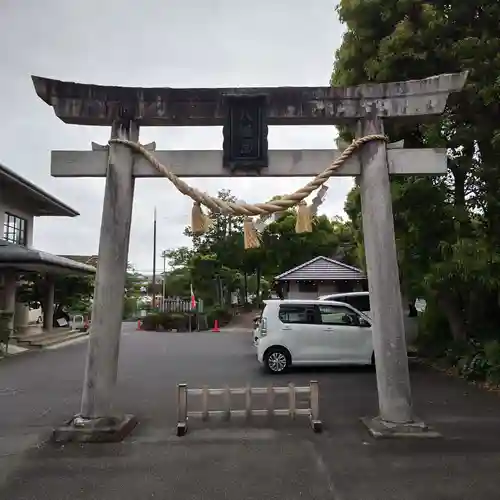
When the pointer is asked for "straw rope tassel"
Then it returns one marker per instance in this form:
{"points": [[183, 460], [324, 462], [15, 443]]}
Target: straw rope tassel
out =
{"points": [[197, 219], [304, 218], [250, 236]]}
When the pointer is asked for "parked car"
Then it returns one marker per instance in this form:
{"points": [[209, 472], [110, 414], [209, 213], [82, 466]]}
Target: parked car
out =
{"points": [[314, 332], [361, 302]]}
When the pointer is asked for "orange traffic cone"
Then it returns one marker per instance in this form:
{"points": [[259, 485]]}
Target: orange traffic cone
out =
{"points": [[216, 326]]}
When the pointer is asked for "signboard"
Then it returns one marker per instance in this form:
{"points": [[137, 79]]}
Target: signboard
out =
{"points": [[245, 133]]}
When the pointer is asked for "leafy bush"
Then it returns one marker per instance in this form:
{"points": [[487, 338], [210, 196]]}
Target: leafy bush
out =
{"points": [[222, 314], [475, 361], [492, 353], [177, 321], [168, 321], [475, 368], [459, 350], [150, 322], [434, 336]]}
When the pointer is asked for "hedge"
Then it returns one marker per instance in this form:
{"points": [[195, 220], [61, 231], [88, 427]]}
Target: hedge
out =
{"points": [[180, 321]]}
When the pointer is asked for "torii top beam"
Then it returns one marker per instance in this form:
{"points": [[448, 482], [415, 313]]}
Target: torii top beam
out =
{"points": [[83, 104]]}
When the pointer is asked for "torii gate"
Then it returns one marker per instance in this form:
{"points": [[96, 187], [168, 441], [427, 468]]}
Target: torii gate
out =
{"points": [[364, 108]]}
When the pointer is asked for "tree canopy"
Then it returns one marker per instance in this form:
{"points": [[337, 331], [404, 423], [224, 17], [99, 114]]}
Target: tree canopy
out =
{"points": [[447, 229]]}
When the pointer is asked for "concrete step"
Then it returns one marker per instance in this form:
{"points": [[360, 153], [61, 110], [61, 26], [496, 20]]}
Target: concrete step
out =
{"points": [[37, 331], [35, 337], [27, 334], [62, 339], [46, 339]]}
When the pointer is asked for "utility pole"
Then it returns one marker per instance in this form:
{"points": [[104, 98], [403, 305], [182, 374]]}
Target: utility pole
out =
{"points": [[164, 255], [154, 260]]}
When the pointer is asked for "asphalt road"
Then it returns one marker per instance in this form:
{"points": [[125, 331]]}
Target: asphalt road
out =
{"points": [[264, 461], [41, 390]]}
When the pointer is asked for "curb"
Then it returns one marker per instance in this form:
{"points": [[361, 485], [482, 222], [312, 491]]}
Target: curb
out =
{"points": [[67, 342]]}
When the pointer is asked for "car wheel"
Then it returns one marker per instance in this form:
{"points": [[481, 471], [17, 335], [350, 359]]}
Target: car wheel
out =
{"points": [[277, 360]]}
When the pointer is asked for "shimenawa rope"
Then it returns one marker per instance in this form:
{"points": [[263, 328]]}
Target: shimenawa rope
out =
{"points": [[217, 205]]}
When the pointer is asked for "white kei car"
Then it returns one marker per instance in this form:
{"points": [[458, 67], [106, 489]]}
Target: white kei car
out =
{"points": [[312, 332]]}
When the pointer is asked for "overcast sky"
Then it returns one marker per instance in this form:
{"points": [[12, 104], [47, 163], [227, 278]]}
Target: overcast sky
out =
{"points": [[177, 43]]}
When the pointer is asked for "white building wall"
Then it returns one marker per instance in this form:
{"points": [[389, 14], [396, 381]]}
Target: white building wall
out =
{"points": [[323, 288]]}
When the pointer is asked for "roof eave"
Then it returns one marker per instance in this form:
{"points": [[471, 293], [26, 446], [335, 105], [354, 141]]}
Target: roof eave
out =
{"points": [[55, 207], [17, 257], [285, 276], [359, 278], [44, 267]]}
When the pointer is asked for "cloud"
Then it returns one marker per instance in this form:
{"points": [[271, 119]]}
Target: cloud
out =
{"points": [[189, 43]]}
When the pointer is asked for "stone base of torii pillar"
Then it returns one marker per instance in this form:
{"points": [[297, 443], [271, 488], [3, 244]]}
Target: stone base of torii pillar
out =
{"points": [[379, 428], [98, 430]]}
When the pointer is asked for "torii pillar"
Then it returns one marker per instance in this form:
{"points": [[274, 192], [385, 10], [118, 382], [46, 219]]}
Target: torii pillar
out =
{"points": [[363, 108]]}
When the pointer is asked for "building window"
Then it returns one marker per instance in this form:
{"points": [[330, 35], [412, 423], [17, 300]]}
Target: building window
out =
{"points": [[308, 287], [14, 229]]}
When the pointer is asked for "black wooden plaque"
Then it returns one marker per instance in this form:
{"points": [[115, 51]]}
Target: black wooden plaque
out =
{"points": [[245, 133]]}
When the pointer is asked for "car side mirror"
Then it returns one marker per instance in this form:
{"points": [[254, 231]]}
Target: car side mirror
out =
{"points": [[363, 323]]}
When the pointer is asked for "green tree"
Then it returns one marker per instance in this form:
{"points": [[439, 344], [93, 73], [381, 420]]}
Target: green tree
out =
{"points": [[447, 229], [286, 249], [217, 256], [178, 282], [178, 257], [133, 282]]}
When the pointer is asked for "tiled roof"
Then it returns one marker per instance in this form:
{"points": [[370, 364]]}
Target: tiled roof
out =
{"points": [[322, 269]]}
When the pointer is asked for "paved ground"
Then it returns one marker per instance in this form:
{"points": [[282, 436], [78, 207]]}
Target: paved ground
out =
{"points": [[283, 460]]}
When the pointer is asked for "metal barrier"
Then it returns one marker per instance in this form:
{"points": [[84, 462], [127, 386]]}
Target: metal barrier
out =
{"points": [[312, 411]]}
